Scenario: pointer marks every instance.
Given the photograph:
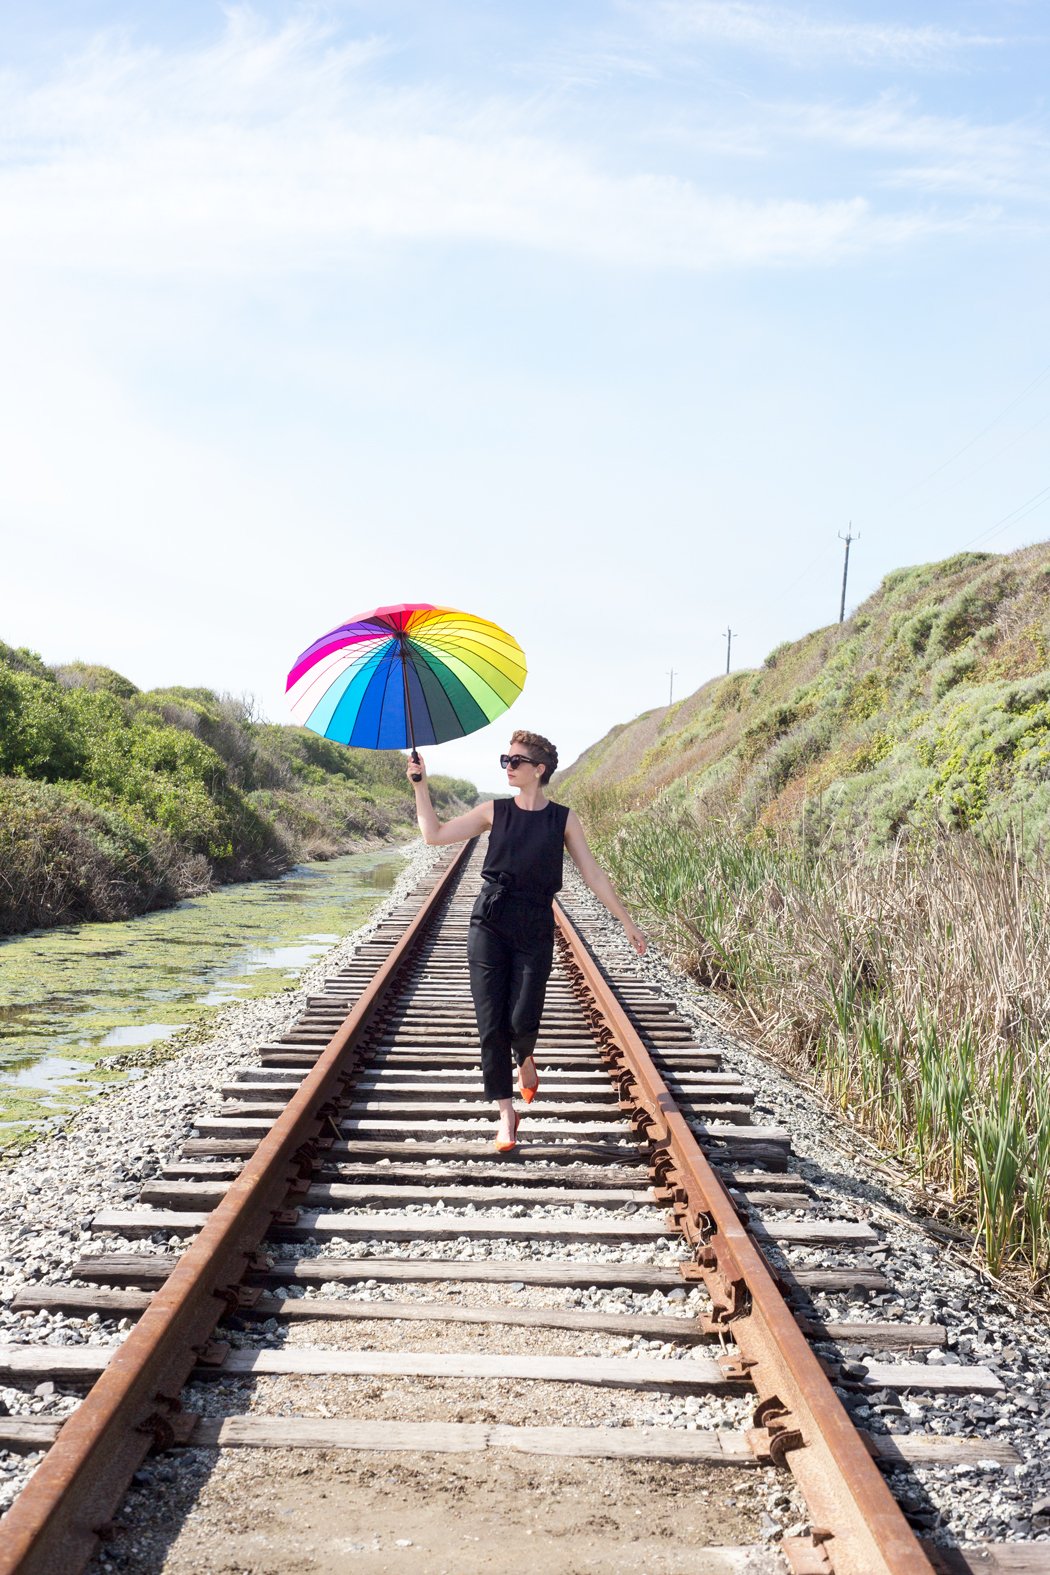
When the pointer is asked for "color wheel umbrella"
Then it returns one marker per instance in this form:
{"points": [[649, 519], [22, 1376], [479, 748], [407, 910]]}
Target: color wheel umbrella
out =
{"points": [[406, 675]]}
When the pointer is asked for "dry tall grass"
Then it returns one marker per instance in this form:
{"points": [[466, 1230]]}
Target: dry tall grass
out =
{"points": [[914, 986], [63, 860]]}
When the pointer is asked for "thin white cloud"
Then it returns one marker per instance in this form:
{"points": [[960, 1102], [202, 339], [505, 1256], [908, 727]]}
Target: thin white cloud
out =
{"points": [[799, 34], [932, 153], [281, 149]]}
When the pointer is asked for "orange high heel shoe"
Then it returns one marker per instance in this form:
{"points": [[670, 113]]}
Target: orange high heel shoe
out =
{"points": [[505, 1148], [529, 1094]]}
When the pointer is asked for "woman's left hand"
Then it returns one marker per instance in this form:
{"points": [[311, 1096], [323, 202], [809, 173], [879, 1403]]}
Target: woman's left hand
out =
{"points": [[636, 936]]}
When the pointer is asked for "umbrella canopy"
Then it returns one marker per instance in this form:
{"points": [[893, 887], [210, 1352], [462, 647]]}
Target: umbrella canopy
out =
{"points": [[406, 675]]}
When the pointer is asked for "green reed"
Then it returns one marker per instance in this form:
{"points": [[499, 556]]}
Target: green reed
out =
{"points": [[913, 987]]}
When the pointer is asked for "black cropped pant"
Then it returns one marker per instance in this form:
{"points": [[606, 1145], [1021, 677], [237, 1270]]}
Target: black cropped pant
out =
{"points": [[510, 955]]}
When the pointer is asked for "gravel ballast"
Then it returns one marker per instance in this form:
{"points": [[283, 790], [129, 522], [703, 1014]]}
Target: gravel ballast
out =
{"points": [[48, 1196]]}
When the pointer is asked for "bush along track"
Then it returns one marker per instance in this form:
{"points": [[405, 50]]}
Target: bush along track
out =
{"points": [[114, 801]]}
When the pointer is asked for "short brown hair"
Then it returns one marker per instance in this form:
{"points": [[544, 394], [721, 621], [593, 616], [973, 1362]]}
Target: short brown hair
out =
{"points": [[538, 745]]}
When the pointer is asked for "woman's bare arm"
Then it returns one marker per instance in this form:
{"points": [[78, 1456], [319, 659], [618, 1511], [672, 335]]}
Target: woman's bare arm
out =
{"points": [[598, 881], [460, 829]]}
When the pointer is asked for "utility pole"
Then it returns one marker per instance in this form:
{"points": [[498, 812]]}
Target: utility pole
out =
{"points": [[729, 647], [670, 693], [849, 536]]}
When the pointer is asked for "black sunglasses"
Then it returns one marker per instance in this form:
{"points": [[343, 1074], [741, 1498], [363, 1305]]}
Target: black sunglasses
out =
{"points": [[517, 760]]}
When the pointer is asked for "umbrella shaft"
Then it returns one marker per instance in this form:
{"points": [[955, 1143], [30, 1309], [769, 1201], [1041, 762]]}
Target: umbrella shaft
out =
{"points": [[408, 707]]}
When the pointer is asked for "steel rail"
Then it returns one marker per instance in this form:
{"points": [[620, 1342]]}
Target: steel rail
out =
{"points": [[54, 1524], [857, 1527]]}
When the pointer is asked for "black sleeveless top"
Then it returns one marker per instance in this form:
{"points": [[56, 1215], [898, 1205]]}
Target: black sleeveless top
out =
{"points": [[526, 847]]}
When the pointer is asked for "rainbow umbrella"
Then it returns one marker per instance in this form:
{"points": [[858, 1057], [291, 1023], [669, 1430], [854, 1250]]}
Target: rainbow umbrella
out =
{"points": [[406, 675]]}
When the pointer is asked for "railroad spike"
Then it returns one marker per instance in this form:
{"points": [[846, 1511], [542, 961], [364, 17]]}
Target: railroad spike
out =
{"points": [[212, 1354], [729, 1301], [183, 1426], [699, 1270], [780, 1427], [737, 1369], [782, 1441], [768, 1408]]}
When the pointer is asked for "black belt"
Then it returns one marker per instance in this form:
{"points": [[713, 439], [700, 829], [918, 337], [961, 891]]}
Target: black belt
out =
{"points": [[504, 885]]}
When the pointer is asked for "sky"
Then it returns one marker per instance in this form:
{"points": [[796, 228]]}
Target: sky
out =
{"points": [[600, 319]]}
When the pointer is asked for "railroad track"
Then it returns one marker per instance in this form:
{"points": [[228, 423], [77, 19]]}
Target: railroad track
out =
{"points": [[362, 1124]]}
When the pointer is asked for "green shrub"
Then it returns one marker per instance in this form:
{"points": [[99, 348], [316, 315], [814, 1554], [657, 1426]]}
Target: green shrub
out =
{"points": [[867, 697], [88, 675], [766, 730], [152, 796], [63, 860], [23, 660], [38, 733]]}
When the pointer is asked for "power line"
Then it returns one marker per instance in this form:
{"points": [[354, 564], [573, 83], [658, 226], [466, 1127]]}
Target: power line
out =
{"points": [[996, 453], [1015, 516], [804, 574], [977, 435]]}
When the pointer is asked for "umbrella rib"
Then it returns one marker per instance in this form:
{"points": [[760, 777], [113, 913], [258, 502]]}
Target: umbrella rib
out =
{"points": [[391, 661], [430, 682], [321, 672], [355, 683], [335, 639], [435, 662], [422, 689], [446, 640]]}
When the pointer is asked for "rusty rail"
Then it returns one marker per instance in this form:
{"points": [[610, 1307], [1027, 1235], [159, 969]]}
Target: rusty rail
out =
{"points": [[857, 1526], [54, 1524]]}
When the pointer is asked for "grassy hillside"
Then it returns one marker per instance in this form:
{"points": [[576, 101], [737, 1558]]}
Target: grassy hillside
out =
{"points": [[849, 846], [929, 706], [114, 801]]}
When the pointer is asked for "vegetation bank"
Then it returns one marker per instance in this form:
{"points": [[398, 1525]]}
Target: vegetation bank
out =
{"points": [[114, 801], [850, 844]]}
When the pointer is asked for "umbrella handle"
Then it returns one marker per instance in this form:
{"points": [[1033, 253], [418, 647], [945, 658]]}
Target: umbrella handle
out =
{"points": [[417, 776]]}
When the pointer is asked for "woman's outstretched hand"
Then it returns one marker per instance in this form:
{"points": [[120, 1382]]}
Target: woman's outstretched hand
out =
{"points": [[415, 769], [636, 936]]}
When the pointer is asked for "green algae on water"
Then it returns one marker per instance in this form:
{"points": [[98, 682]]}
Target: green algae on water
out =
{"points": [[124, 990]]}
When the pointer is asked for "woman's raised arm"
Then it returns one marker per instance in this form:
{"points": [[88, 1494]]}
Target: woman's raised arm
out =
{"points": [[460, 829]]}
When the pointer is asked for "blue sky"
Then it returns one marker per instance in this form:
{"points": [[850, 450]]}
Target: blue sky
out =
{"points": [[600, 320]]}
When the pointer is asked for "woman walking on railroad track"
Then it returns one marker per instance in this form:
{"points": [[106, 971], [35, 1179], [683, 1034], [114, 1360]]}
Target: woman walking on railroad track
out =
{"points": [[511, 944]]}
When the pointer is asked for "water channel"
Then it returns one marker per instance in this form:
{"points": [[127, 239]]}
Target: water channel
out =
{"points": [[72, 995]]}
